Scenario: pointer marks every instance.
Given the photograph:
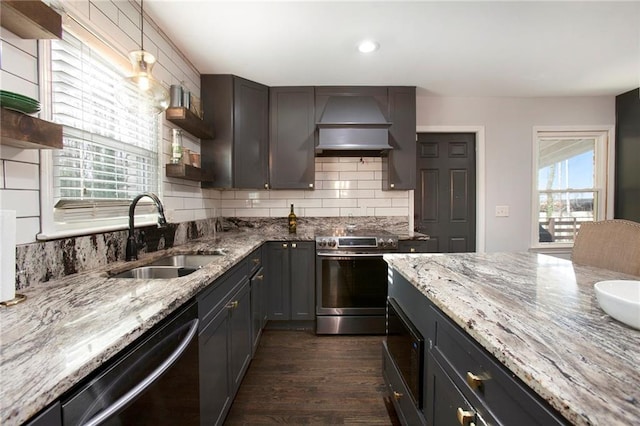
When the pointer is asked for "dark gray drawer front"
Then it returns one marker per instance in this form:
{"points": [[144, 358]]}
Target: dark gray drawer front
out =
{"points": [[218, 293], [255, 261], [491, 388]]}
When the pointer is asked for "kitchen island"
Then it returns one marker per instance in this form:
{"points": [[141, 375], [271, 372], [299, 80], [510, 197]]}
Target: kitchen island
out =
{"points": [[538, 316]]}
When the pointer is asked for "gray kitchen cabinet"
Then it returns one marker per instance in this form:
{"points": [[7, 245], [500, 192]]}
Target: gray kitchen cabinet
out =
{"points": [[460, 378], [51, 416], [292, 137], [399, 165], [627, 179], [290, 267], [225, 341], [417, 246], [258, 296], [238, 111]]}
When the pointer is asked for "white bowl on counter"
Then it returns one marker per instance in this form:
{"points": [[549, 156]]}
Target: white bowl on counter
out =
{"points": [[620, 299]]}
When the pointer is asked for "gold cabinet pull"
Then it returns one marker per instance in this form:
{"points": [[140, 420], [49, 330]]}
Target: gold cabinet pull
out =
{"points": [[260, 277], [294, 245], [465, 417], [256, 260], [397, 395], [474, 381], [285, 245], [266, 186], [233, 305], [412, 250]]}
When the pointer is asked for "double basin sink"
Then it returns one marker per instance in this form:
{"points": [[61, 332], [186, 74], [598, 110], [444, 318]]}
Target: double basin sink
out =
{"points": [[174, 266]]}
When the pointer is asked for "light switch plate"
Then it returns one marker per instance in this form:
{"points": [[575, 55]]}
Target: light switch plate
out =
{"points": [[502, 211]]}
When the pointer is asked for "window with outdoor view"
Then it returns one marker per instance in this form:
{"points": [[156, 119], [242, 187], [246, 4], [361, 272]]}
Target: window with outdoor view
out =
{"points": [[570, 184], [110, 136]]}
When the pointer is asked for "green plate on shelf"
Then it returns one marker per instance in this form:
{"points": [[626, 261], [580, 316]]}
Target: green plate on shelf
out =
{"points": [[18, 102]]}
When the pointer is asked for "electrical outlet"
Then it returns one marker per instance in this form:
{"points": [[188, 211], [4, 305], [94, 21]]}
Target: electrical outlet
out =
{"points": [[502, 211]]}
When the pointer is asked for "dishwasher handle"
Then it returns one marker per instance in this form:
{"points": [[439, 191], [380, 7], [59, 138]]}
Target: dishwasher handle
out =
{"points": [[147, 381]]}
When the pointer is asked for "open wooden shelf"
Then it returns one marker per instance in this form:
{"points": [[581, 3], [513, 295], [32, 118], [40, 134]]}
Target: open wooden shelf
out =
{"points": [[184, 171], [187, 120], [30, 19], [27, 132]]}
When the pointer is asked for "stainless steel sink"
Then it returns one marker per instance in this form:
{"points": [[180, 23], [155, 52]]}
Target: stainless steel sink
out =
{"points": [[156, 272], [187, 260]]}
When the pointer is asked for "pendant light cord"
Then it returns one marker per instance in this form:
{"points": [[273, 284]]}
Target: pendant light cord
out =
{"points": [[142, 25]]}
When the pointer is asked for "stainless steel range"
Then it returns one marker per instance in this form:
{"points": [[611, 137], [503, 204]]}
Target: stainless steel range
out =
{"points": [[351, 281]]}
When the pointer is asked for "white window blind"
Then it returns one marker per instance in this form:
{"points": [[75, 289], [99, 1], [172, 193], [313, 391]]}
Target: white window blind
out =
{"points": [[110, 151]]}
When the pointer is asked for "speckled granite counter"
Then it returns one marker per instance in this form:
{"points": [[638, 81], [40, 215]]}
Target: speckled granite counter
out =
{"points": [[69, 327], [538, 315]]}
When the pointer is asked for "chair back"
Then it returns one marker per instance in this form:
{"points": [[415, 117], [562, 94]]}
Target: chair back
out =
{"points": [[609, 244]]}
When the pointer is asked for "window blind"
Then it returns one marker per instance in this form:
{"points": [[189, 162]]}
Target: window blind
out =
{"points": [[110, 135]]}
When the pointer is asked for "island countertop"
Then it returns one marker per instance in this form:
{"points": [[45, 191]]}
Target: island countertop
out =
{"points": [[538, 316]]}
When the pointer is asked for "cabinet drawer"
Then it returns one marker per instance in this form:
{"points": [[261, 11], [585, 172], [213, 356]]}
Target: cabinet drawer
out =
{"points": [[218, 293], [407, 412], [449, 406], [418, 246], [485, 382]]}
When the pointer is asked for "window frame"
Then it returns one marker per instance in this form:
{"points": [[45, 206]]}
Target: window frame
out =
{"points": [[90, 224], [604, 184]]}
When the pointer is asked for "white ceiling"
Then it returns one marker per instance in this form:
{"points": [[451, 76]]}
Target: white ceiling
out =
{"points": [[446, 48]]}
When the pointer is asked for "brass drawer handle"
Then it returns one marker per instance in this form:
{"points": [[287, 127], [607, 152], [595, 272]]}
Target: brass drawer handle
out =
{"points": [[474, 381], [294, 245], [465, 417], [260, 277], [397, 395], [233, 305], [256, 260], [285, 245], [412, 250]]}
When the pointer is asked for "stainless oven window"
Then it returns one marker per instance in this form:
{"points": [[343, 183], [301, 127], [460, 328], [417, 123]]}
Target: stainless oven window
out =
{"points": [[353, 282]]}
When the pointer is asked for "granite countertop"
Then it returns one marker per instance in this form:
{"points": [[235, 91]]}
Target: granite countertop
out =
{"points": [[538, 315], [68, 327]]}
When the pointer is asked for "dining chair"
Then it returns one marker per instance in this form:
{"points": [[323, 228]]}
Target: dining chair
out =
{"points": [[609, 244]]}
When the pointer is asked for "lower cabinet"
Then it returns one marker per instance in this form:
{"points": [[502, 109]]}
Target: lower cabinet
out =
{"points": [[417, 246], [225, 341], [51, 416], [462, 383], [290, 267], [258, 307]]}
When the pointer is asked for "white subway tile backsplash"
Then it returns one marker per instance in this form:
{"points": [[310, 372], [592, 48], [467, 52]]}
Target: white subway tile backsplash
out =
{"points": [[26, 203], [323, 212], [252, 212], [236, 204], [287, 194], [331, 203], [357, 175], [19, 63], [391, 194], [400, 202], [17, 154], [323, 193], [22, 175], [357, 193], [369, 184], [320, 176], [381, 211], [26, 229], [339, 184], [374, 202], [339, 167], [271, 204], [252, 195]]}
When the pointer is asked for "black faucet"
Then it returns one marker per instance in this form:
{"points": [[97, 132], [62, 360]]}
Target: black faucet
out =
{"points": [[132, 247]]}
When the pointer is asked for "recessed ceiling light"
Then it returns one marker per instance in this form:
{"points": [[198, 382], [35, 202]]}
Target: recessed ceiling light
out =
{"points": [[368, 46]]}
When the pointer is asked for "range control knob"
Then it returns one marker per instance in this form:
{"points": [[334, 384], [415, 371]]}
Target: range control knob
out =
{"points": [[332, 243], [391, 243], [322, 242]]}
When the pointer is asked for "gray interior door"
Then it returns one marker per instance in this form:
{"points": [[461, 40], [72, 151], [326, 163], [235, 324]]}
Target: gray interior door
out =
{"points": [[445, 196]]}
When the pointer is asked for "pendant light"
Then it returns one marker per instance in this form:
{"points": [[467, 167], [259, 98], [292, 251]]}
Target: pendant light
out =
{"points": [[142, 63]]}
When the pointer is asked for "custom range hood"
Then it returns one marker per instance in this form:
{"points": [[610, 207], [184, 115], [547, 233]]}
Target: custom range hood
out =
{"points": [[352, 124]]}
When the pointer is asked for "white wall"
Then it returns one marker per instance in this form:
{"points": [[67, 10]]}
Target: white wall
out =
{"points": [[508, 124], [119, 24]]}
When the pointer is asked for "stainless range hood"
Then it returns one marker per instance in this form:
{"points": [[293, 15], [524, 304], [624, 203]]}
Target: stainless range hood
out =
{"points": [[353, 123]]}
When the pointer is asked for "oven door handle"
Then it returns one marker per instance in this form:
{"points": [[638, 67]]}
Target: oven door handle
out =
{"points": [[148, 381], [348, 255]]}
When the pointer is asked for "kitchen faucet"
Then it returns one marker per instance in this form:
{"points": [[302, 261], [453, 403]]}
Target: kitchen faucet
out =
{"points": [[132, 247]]}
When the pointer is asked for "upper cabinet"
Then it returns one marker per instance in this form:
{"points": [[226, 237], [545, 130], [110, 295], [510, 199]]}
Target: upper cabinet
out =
{"points": [[30, 19], [291, 137], [399, 166], [627, 179], [238, 111]]}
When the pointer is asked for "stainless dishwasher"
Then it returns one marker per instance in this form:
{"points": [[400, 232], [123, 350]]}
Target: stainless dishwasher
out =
{"points": [[153, 383]]}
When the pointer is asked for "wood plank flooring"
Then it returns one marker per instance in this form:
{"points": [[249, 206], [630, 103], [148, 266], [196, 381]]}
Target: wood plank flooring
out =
{"points": [[299, 378]]}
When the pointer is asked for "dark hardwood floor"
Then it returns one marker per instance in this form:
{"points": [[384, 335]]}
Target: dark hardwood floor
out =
{"points": [[299, 378]]}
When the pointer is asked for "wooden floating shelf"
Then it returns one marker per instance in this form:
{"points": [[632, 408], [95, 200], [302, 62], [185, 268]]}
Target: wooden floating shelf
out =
{"points": [[184, 171], [27, 132], [30, 19], [188, 121]]}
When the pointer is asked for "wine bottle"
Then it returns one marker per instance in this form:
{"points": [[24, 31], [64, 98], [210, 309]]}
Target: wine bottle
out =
{"points": [[293, 221]]}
